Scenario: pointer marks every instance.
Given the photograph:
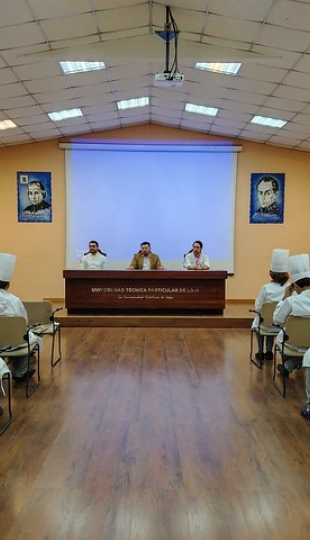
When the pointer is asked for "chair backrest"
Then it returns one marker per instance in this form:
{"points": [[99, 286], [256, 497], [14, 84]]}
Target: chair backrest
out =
{"points": [[12, 330], [267, 313], [298, 331], [39, 311]]}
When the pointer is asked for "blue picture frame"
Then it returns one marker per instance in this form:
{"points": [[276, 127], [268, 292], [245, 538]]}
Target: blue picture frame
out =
{"points": [[34, 197], [267, 198]]}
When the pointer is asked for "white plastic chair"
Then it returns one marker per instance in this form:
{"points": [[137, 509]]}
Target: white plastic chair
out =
{"points": [[42, 316], [265, 322], [296, 334], [14, 342]]}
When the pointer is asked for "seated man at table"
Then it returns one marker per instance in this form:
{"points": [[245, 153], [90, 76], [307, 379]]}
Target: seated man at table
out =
{"points": [[94, 259], [145, 259], [195, 259]]}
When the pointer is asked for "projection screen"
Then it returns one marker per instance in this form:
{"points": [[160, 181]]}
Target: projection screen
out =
{"points": [[168, 194]]}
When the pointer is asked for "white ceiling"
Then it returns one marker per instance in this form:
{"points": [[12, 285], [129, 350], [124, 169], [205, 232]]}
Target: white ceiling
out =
{"points": [[270, 37]]}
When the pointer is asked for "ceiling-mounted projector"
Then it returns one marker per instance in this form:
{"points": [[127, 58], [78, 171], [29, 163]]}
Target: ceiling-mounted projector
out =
{"points": [[167, 79], [171, 76]]}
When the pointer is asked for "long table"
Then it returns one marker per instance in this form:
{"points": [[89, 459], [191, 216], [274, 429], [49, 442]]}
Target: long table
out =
{"points": [[136, 291]]}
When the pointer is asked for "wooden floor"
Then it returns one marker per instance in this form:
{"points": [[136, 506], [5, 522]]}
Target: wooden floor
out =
{"points": [[155, 434]]}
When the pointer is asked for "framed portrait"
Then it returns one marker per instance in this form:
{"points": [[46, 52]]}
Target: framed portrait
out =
{"points": [[267, 198], [34, 197]]}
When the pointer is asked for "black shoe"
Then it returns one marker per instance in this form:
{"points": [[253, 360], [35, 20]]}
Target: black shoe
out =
{"points": [[283, 370], [259, 356], [305, 411], [1, 411], [24, 377], [268, 355]]}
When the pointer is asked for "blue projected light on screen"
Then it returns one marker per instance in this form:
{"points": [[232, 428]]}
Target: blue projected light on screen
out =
{"points": [[169, 195]]}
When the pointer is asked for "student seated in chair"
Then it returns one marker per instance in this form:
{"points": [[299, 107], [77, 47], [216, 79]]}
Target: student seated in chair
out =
{"points": [[11, 305], [296, 301], [271, 292]]}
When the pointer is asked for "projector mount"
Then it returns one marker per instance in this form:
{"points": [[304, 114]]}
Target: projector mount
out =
{"points": [[171, 75]]}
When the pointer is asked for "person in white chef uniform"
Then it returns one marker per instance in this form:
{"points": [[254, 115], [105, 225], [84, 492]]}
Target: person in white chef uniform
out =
{"points": [[11, 305]]}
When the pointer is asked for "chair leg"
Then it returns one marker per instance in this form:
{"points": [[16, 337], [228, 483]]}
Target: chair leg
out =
{"points": [[258, 362], [9, 401], [56, 336], [30, 390], [276, 374]]}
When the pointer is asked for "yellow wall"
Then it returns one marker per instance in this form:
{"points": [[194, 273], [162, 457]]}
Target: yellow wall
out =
{"points": [[40, 247]]}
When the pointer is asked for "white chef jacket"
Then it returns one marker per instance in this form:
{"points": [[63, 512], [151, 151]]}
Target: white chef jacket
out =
{"points": [[94, 262], [11, 305], [270, 292], [190, 260], [297, 305], [306, 359]]}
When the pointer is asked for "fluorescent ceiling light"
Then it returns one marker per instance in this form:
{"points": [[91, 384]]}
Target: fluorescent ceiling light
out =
{"points": [[7, 124], [265, 121], [229, 68], [200, 109], [80, 67], [132, 103], [62, 115]]}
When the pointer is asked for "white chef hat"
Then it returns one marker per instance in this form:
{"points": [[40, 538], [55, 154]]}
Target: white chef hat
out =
{"points": [[299, 267], [279, 260], [7, 264]]}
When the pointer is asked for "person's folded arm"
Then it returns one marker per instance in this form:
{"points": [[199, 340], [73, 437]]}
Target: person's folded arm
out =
{"points": [[187, 263], [281, 312]]}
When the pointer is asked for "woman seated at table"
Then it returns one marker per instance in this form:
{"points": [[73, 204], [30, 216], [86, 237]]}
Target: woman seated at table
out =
{"points": [[195, 259]]}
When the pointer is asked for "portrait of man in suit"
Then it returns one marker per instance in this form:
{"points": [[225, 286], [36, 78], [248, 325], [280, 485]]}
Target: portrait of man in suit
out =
{"points": [[267, 198]]}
